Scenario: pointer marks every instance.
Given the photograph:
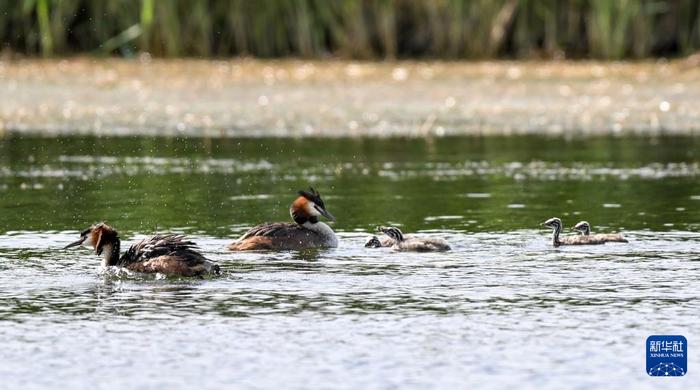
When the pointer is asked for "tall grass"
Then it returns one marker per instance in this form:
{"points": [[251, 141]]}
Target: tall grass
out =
{"points": [[608, 29]]}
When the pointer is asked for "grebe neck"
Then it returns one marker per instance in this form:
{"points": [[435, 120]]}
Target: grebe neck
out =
{"points": [[323, 230], [555, 235], [110, 254]]}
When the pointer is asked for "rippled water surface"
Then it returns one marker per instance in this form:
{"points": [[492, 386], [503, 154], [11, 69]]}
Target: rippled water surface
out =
{"points": [[502, 308]]}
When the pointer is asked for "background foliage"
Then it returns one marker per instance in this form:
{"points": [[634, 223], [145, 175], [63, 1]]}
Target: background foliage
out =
{"points": [[447, 29]]}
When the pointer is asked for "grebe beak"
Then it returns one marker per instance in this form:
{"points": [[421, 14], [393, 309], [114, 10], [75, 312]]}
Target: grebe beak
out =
{"points": [[325, 213], [77, 243]]}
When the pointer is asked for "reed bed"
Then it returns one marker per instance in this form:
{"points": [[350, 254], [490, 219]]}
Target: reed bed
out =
{"points": [[363, 29]]}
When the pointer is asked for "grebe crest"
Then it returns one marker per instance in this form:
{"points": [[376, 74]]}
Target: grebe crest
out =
{"points": [[103, 239], [308, 207]]}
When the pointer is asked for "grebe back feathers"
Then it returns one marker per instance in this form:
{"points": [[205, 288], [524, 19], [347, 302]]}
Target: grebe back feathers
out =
{"points": [[169, 254]]}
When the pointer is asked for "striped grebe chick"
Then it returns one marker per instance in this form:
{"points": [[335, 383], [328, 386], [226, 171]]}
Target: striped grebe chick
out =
{"points": [[169, 254], [556, 226], [410, 243], [306, 232], [375, 242], [584, 228]]}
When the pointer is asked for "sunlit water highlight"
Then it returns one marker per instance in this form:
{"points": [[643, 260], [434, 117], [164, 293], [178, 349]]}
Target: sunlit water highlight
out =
{"points": [[503, 308], [293, 98]]}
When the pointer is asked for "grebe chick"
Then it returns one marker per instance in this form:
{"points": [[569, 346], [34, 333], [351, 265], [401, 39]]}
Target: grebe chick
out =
{"points": [[168, 254], [584, 228], [306, 232], [555, 225], [375, 242], [412, 244]]}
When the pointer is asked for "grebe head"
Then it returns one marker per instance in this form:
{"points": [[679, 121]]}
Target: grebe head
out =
{"points": [[553, 223], [373, 242], [393, 232], [308, 207], [582, 227], [98, 237]]}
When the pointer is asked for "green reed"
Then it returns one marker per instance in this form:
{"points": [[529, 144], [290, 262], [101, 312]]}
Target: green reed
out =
{"points": [[607, 29]]}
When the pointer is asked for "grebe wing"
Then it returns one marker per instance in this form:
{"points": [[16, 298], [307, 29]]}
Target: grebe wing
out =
{"points": [[180, 264], [611, 237], [275, 229], [422, 245], [163, 245], [581, 240]]}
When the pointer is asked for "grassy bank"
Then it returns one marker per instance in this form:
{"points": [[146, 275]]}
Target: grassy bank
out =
{"points": [[375, 29]]}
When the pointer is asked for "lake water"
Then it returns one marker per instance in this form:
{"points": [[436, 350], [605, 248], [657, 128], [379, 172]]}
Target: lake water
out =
{"points": [[503, 308]]}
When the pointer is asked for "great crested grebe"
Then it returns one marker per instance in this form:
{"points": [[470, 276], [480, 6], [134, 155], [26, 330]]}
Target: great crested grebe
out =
{"points": [[397, 241], [306, 232], [584, 228], [168, 254], [556, 226]]}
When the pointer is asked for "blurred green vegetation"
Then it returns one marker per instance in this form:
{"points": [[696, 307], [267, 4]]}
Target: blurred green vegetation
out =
{"points": [[369, 29]]}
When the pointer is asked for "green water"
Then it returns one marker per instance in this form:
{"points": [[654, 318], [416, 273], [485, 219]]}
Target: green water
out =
{"points": [[217, 186], [503, 308]]}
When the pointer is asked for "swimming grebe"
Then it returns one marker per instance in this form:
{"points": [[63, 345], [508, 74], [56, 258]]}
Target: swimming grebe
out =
{"points": [[305, 233], [555, 224], [584, 228], [168, 254], [374, 242], [399, 242]]}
